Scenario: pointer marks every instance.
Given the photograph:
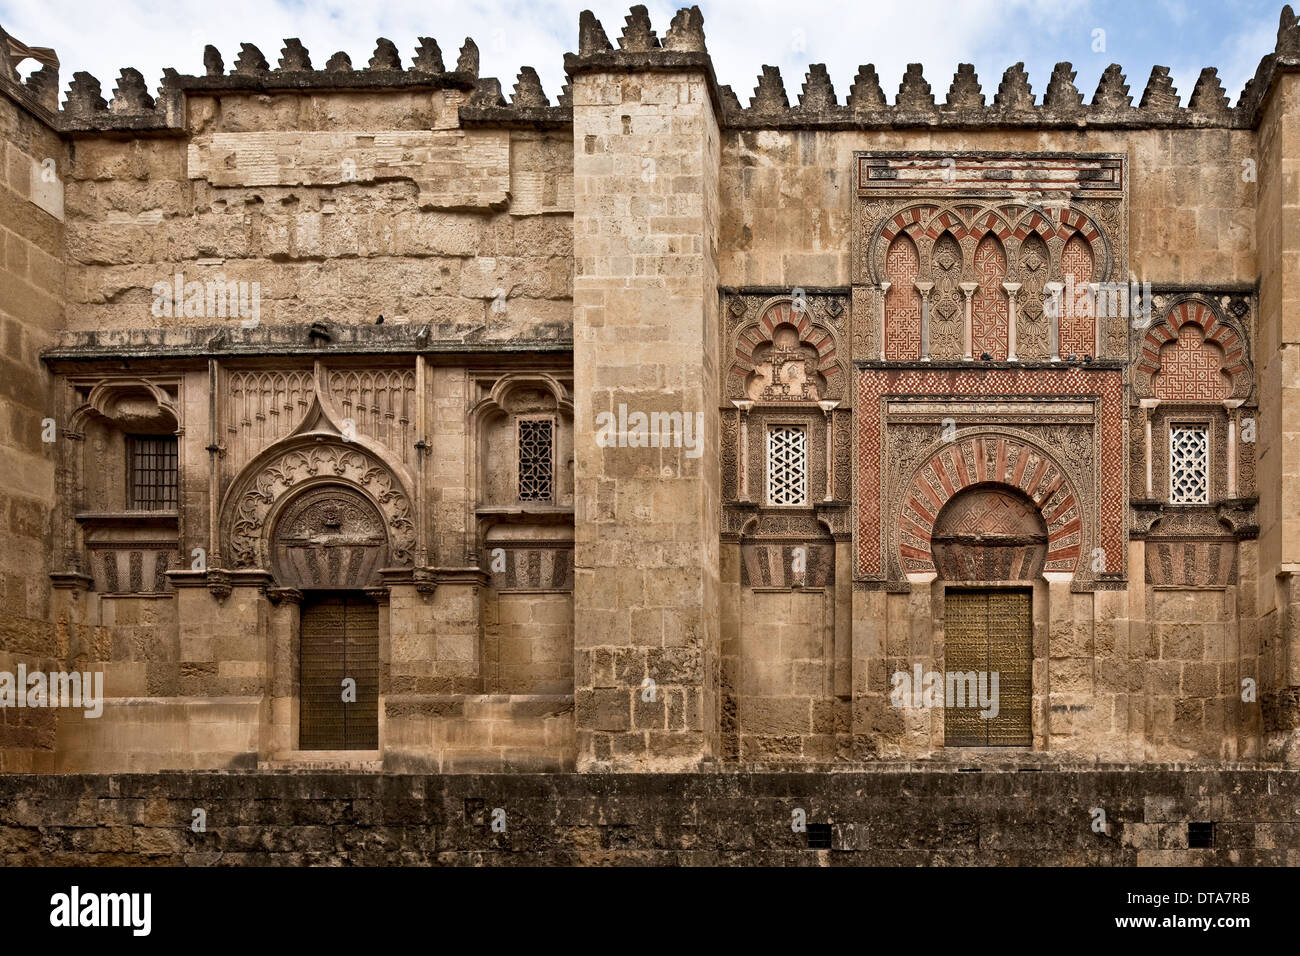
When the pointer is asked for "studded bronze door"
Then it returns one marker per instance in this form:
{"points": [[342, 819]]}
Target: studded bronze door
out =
{"points": [[340, 640], [985, 633]]}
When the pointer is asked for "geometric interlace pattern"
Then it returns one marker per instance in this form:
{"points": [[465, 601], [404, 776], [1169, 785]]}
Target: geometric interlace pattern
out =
{"points": [[535, 457], [1189, 465], [787, 466]]}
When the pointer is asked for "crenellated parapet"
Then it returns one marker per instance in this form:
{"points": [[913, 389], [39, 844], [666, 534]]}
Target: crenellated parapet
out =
{"points": [[963, 103], [133, 109], [967, 106]]}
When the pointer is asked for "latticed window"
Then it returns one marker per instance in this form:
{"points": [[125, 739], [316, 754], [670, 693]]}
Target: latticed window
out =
{"points": [[151, 473], [1189, 465], [536, 459], [787, 465]]}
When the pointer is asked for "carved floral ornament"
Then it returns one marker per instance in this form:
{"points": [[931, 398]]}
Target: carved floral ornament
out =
{"points": [[315, 454], [786, 355], [269, 484]]}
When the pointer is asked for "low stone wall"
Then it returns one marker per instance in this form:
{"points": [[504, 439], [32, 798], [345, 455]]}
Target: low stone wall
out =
{"points": [[888, 817]]}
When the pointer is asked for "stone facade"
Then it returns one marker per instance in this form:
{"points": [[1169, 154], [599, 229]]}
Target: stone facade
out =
{"points": [[647, 431]]}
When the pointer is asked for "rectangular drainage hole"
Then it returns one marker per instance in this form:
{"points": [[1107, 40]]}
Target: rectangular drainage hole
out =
{"points": [[819, 836], [1200, 836]]}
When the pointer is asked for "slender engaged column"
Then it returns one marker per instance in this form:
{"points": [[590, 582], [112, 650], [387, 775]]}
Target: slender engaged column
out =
{"points": [[1011, 289], [924, 288], [743, 457], [968, 333], [1148, 406], [1053, 292], [827, 408], [884, 292]]}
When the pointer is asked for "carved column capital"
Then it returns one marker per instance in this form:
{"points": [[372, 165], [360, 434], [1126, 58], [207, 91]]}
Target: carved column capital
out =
{"points": [[278, 596]]}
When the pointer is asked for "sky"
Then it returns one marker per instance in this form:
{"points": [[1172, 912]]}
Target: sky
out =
{"points": [[1184, 35]]}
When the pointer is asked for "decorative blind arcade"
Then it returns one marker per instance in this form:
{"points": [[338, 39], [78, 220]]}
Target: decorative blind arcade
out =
{"points": [[536, 454], [151, 473], [1189, 465], [787, 466]]}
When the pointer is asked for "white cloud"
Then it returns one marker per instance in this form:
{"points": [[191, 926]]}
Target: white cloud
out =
{"points": [[742, 36]]}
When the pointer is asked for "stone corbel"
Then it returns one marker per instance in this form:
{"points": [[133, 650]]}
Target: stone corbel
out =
{"points": [[289, 595], [925, 288], [1052, 291], [219, 584], [71, 580], [1011, 289], [425, 580], [968, 333], [380, 595]]}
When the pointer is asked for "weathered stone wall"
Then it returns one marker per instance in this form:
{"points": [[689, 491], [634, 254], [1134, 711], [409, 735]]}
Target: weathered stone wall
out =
{"points": [[645, 320], [1278, 350], [642, 221], [342, 207], [31, 313], [889, 817], [1192, 215]]}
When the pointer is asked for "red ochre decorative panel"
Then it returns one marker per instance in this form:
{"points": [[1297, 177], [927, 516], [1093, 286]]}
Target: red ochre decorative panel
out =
{"points": [[875, 384], [1191, 370], [1078, 332], [902, 301], [1007, 461], [989, 305]]}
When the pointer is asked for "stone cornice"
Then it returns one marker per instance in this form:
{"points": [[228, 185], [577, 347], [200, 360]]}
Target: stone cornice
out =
{"points": [[230, 342]]}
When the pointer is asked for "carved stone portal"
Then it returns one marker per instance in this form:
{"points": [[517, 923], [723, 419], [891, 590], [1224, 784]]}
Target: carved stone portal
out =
{"points": [[253, 500], [330, 537], [989, 533]]}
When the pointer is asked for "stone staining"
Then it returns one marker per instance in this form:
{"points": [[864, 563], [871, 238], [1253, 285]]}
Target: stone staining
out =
{"points": [[1078, 328], [989, 308], [903, 301], [1191, 369]]}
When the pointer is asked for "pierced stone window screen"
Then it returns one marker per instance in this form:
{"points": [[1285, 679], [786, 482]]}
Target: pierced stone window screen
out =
{"points": [[787, 465], [151, 476], [536, 443], [1189, 464]]}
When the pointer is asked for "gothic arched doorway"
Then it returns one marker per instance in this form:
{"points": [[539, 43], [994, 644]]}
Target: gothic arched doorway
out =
{"points": [[991, 536], [329, 541]]}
